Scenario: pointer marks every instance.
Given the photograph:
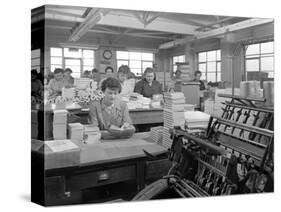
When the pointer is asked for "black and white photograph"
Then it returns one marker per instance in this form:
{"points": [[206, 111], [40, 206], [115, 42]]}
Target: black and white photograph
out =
{"points": [[136, 105]]}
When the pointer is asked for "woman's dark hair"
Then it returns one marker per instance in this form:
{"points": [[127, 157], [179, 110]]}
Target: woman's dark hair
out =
{"points": [[68, 69], [58, 70], [149, 70], [109, 68], [34, 72], [111, 83], [124, 69], [95, 70], [197, 72]]}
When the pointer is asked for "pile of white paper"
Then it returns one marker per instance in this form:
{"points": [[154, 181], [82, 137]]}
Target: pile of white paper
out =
{"points": [[76, 131], [68, 93], [92, 134], [174, 109], [139, 102], [59, 124], [156, 134], [167, 141], [196, 119]]}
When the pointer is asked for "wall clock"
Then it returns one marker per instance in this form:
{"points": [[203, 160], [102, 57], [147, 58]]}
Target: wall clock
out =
{"points": [[107, 54]]}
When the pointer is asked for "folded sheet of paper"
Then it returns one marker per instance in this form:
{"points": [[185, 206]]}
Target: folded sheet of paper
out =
{"points": [[61, 145]]}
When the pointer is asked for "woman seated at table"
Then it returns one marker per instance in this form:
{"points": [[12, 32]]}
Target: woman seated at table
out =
{"points": [[57, 83], [148, 86], [111, 115], [127, 85]]}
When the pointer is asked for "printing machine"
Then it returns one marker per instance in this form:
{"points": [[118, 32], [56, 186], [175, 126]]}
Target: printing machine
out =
{"points": [[233, 156]]}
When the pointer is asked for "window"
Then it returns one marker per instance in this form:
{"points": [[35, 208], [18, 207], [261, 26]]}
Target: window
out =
{"points": [[178, 59], [137, 61], [209, 63], [259, 57], [78, 60]]}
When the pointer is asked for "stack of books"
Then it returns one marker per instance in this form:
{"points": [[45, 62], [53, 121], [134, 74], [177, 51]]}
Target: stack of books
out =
{"points": [[92, 134], [174, 107], [196, 119], [76, 132], [156, 133], [59, 124]]}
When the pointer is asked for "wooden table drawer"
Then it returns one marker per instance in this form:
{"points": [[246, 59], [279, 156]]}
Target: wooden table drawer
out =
{"points": [[99, 178]]}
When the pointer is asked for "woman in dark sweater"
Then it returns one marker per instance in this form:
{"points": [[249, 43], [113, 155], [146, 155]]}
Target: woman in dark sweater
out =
{"points": [[148, 85]]}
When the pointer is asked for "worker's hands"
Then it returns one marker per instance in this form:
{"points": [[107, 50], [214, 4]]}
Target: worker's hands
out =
{"points": [[126, 125]]}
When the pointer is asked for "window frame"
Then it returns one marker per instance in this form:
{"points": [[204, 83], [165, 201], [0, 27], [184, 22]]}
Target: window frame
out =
{"points": [[141, 60], [259, 56], [206, 61], [174, 63], [63, 58]]}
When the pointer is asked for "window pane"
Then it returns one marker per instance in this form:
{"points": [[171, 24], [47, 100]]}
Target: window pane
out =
{"points": [[88, 53], [174, 68], [136, 71], [211, 56], [252, 65], [181, 59], [147, 56], [253, 49], [271, 74], [267, 64], [175, 60], [122, 62], [135, 64], [56, 60], [202, 67], [122, 55], [146, 65], [53, 67], [203, 76], [88, 62], [219, 67], [70, 62], [56, 52], [72, 52], [218, 77], [135, 55], [218, 54], [211, 67], [211, 77], [87, 68], [267, 47], [202, 56]]}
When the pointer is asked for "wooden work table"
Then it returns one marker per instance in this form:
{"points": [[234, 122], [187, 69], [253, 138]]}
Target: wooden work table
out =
{"points": [[108, 170], [43, 119]]}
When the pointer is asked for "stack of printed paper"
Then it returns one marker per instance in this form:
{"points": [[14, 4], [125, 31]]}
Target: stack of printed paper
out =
{"points": [[76, 131], [156, 133], [92, 134], [59, 124], [196, 119]]}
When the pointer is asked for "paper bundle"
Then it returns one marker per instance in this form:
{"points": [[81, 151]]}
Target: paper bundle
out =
{"points": [[156, 133], [68, 93], [59, 124], [76, 131], [196, 119], [92, 134], [167, 141]]}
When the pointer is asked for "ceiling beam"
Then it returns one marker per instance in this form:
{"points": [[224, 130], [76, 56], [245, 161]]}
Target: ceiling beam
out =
{"points": [[161, 26], [234, 27], [60, 17], [219, 21], [217, 32], [133, 34], [93, 16]]}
